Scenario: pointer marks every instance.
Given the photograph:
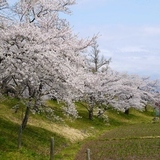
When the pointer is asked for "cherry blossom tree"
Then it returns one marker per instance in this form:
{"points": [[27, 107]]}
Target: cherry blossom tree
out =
{"points": [[134, 91], [89, 96], [40, 56], [97, 93], [117, 90], [92, 93]]}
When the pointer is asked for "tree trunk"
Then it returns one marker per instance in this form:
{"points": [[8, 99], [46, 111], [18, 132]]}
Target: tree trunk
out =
{"points": [[126, 111], [146, 109], [23, 126], [25, 119], [90, 114]]}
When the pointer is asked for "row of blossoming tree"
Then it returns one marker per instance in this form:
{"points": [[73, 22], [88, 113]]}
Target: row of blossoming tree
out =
{"points": [[41, 58]]}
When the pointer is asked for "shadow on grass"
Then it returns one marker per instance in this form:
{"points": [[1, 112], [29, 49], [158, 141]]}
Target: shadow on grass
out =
{"points": [[35, 142]]}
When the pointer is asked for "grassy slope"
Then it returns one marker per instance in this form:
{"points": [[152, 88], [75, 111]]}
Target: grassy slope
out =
{"points": [[69, 135]]}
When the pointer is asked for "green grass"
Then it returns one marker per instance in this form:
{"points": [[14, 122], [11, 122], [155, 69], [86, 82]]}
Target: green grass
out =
{"points": [[137, 141], [35, 142], [111, 135]]}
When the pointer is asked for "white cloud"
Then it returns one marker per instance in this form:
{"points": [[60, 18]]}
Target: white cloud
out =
{"points": [[152, 30], [133, 49], [137, 63]]}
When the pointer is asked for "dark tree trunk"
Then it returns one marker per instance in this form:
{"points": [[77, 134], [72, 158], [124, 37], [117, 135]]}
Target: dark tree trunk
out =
{"points": [[90, 114], [146, 109], [126, 111], [23, 126], [25, 119]]}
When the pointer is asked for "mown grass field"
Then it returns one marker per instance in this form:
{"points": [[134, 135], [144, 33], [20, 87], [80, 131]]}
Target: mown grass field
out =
{"points": [[130, 136]]}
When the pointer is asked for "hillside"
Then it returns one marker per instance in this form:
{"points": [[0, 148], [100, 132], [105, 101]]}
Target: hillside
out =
{"points": [[69, 134]]}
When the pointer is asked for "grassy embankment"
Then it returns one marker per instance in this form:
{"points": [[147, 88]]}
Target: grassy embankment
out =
{"points": [[71, 134]]}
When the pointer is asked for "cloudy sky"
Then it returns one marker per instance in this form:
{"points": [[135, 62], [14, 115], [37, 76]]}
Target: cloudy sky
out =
{"points": [[129, 32]]}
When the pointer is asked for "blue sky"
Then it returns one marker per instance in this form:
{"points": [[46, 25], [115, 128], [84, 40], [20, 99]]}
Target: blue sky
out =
{"points": [[129, 32]]}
